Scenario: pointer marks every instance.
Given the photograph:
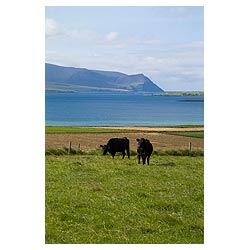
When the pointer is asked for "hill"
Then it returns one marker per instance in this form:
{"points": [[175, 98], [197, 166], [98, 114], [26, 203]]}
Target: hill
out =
{"points": [[59, 78]]}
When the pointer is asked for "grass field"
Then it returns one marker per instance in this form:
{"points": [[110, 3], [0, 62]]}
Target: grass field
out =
{"points": [[61, 129], [196, 134], [92, 198]]}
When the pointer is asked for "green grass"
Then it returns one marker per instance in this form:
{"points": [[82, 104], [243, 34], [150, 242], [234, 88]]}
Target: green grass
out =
{"points": [[196, 134], [169, 152], [59, 129], [62, 129], [92, 198]]}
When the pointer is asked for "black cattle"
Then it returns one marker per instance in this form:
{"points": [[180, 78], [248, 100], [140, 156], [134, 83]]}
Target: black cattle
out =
{"points": [[116, 145], [144, 150]]}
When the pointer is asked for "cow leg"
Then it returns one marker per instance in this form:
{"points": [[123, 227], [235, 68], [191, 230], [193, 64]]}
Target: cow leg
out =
{"points": [[143, 160], [113, 155], [148, 160], [128, 153], [123, 154], [139, 158]]}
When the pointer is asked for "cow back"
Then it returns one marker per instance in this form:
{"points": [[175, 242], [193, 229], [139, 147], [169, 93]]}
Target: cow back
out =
{"points": [[118, 144]]}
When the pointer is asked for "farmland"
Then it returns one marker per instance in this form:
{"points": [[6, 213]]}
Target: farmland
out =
{"points": [[90, 138]]}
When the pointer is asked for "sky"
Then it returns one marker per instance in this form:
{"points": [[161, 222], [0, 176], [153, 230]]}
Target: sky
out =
{"points": [[164, 43]]}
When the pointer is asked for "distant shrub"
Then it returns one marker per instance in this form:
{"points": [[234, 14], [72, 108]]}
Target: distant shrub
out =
{"points": [[62, 151], [55, 151], [179, 152], [197, 153]]}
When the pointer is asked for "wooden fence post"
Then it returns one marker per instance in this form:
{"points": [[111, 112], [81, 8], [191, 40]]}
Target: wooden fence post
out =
{"points": [[79, 146], [69, 149], [190, 148]]}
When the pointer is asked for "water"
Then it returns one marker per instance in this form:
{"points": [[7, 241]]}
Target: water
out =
{"points": [[120, 109]]}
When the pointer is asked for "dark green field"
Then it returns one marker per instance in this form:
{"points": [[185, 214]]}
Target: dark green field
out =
{"points": [[62, 129], [92, 198], [196, 134]]}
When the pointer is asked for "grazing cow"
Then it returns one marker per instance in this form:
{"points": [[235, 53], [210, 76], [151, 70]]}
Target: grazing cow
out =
{"points": [[144, 150], [116, 145]]}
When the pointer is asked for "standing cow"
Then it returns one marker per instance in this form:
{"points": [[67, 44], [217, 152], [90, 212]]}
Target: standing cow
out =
{"points": [[144, 150], [116, 145]]}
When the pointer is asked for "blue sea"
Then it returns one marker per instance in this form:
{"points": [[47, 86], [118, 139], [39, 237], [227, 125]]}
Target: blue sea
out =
{"points": [[121, 109]]}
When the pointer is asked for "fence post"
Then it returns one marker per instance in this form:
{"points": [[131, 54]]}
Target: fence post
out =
{"points": [[69, 149], [190, 148], [79, 146]]}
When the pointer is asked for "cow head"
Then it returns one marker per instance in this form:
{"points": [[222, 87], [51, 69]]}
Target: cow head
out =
{"points": [[104, 149], [140, 142], [141, 146]]}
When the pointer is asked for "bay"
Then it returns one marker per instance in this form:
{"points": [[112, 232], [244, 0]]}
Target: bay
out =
{"points": [[121, 109]]}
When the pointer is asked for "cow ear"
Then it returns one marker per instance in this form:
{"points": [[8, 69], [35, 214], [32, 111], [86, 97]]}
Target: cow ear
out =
{"points": [[137, 139], [101, 146]]}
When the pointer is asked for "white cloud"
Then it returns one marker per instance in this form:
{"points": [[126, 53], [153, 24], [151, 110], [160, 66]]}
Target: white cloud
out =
{"points": [[83, 35], [111, 36], [51, 28], [151, 42]]}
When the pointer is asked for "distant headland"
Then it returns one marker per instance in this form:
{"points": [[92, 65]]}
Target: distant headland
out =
{"points": [[71, 79], [182, 93]]}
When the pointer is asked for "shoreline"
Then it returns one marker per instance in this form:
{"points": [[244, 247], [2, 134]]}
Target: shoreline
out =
{"points": [[179, 128], [148, 128]]}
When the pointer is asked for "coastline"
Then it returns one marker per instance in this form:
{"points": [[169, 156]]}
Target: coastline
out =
{"points": [[148, 128], [98, 129]]}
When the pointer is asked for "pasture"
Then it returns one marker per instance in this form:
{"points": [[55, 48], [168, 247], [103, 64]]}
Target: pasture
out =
{"points": [[91, 138], [91, 198]]}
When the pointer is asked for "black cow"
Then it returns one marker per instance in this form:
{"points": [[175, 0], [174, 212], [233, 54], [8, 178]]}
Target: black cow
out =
{"points": [[116, 145], [144, 150]]}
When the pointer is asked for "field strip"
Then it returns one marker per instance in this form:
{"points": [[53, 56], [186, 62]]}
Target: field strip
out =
{"points": [[152, 129], [90, 141]]}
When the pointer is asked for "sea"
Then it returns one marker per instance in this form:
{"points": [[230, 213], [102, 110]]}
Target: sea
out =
{"points": [[122, 109]]}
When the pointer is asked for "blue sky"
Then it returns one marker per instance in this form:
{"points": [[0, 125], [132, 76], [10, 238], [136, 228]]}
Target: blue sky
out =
{"points": [[164, 43]]}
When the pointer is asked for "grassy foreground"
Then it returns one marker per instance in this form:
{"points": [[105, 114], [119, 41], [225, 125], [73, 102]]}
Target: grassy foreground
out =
{"points": [[95, 199]]}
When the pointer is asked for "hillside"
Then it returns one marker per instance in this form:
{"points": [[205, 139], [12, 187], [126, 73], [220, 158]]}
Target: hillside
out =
{"points": [[59, 78]]}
